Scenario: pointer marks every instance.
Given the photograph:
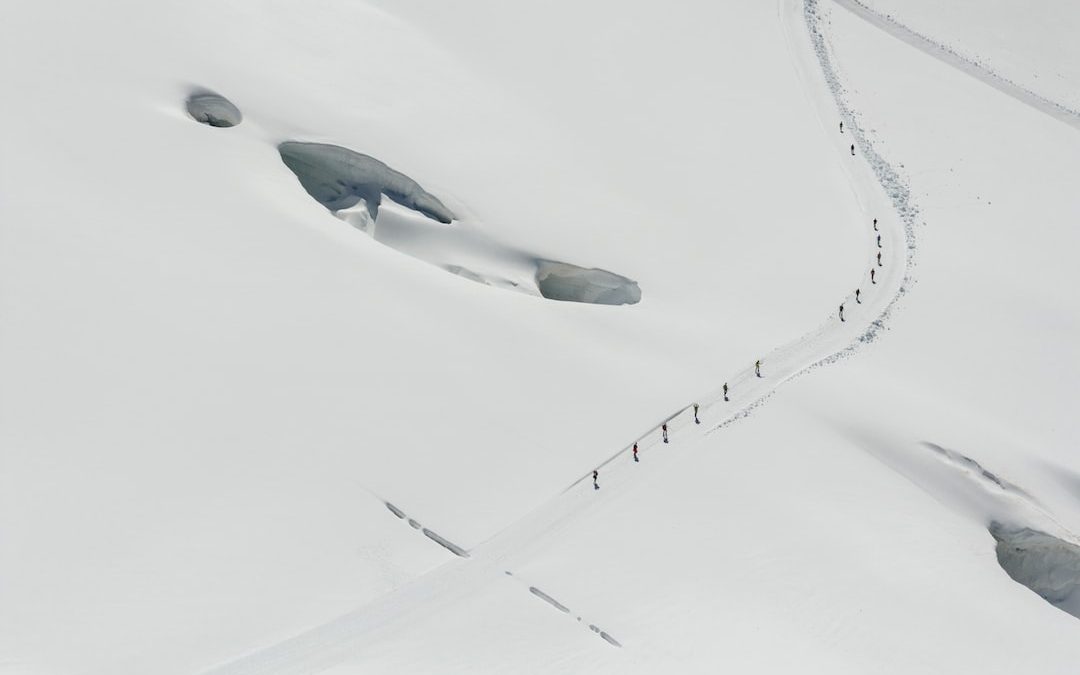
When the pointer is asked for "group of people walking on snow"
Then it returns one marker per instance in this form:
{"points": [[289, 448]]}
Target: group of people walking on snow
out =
{"points": [[696, 408], [873, 270], [757, 364], [873, 273]]}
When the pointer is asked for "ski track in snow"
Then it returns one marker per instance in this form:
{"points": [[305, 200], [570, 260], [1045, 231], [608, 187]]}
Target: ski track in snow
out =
{"points": [[970, 66], [877, 186]]}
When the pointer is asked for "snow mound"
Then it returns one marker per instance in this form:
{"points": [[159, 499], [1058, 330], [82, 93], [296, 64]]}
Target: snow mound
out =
{"points": [[563, 281], [1044, 563], [213, 109], [339, 178]]}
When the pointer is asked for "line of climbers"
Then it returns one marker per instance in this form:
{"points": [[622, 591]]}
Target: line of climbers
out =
{"points": [[757, 364], [695, 407], [873, 270]]}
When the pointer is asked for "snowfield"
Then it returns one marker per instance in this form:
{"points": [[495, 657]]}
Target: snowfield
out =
{"points": [[316, 320]]}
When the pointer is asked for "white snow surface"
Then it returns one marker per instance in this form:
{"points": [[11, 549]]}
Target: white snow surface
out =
{"points": [[239, 434], [1031, 43]]}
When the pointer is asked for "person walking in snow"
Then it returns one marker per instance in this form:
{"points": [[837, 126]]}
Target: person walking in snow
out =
{"points": [[872, 276], [696, 420], [841, 312], [875, 225], [879, 241], [757, 367], [852, 149], [725, 391], [857, 300], [879, 259], [635, 452], [663, 429], [841, 126], [595, 479]]}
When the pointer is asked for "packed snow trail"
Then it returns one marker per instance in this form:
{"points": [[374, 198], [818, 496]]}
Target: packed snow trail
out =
{"points": [[881, 193], [833, 339], [949, 56]]}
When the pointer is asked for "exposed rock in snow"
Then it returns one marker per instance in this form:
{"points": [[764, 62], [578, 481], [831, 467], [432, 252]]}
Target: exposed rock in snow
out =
{"points": [[563, 281], [446, 543], [548, 599], [213, 109], [339, 178], [1042, 562], [349, 183]]}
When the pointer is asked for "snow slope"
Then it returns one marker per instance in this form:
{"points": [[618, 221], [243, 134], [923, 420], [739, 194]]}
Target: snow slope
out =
{"points": [[1028, 43], [1026, 90], [211, 386], [210, 383]]}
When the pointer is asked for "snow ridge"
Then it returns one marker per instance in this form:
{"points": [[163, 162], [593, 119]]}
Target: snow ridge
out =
{"points": [[1033, 547]]}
